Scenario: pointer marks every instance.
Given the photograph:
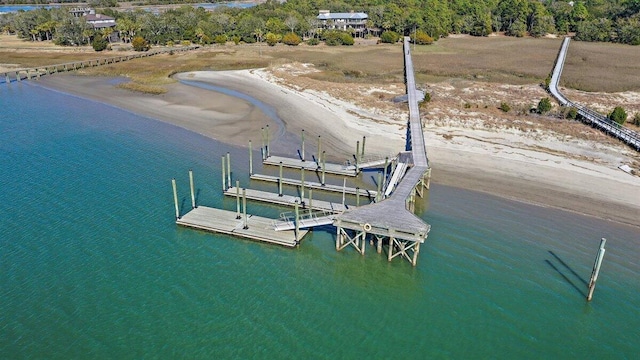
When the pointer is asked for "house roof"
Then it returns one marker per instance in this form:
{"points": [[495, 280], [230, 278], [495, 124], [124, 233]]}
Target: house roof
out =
{"points": [[349, 15], [98, 17]]}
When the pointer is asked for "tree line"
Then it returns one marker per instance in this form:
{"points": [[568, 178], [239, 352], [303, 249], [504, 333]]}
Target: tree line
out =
{"points": [[273, 21]]}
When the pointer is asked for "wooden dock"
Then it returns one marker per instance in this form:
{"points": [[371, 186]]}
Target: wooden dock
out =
{"points": [[294, 163], [226, 222], [288, 200], [317, 186]]}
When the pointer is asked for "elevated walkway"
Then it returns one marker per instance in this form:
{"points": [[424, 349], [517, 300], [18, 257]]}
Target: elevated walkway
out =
{"points": [[587, 115], [392, 219]]}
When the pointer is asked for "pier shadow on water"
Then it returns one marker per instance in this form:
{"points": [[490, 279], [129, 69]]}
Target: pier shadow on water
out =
{"points": [[563, 272]]}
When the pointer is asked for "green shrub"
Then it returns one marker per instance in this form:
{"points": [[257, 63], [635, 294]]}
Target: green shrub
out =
{"points": [[99, 43], [422, 38], [346, 39], [236, 39], [185, 42], [505, 107], [544, 106], [636, 119], [291, 39], [220, 39], [140, 44], [389, 37], [313, 41], [572, 113], [427, 97], [618, 115], [272, 39], [332, 37]]}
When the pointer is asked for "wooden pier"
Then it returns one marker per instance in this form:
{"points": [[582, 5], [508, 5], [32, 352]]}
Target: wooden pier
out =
{"points": [[35, 73], [389, 221], [226, 222]]}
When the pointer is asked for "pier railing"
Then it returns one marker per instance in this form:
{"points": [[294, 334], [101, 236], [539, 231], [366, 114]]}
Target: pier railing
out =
{"points": [[593, 118]]}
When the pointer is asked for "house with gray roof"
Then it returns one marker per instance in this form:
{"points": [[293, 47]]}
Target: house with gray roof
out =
{"points": [[344, 21]]}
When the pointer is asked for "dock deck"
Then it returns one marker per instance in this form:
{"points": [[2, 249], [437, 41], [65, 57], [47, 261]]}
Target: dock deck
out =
{"points": [[226, 222], [287, 200], [329, 168], [316, 185]]}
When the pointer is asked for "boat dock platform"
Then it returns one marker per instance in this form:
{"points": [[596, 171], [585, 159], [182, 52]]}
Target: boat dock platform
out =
{"points": [[227, 222], [286, 200], [316, 185], [329, 168]]}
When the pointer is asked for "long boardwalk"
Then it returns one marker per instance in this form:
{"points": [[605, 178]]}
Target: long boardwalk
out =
{"points": [[589, 116], [391, 219], [36, 72]]}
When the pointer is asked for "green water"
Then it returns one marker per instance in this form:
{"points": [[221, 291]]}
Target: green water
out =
{"points": [[93, 266]]}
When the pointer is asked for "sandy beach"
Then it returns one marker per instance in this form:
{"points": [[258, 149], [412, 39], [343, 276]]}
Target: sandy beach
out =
{"points": [[535, 167]]}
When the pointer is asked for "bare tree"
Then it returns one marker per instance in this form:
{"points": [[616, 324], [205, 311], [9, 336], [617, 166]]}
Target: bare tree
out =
{"points": [[291, 22]]}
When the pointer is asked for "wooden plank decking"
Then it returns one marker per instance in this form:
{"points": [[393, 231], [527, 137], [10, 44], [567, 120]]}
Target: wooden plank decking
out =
{"points": [[225, 222], [288, 200], [294, 163], [316, 185]]}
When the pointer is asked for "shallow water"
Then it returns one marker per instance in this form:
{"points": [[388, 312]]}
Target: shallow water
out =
{"points": [[92, 264]]}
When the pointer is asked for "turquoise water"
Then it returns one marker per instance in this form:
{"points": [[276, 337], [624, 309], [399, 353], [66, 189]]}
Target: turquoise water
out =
{"points": [[93, 266]]}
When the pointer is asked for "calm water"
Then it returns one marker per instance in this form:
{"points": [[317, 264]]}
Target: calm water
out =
{"points": [[93, 266]]}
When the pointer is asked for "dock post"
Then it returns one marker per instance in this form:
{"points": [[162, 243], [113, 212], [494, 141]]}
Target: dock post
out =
{"points": [[18, 76], [596, 269], [262, 149], [357, 154], [416, 251], [319, 150], [238, 199], [379, 193], [302, 185], [428, 178], [379, 245], [364, 139], [224, 175], [324, 165], [175, 198], [250, 158], [228, 169], [302, 150], [344, 189], [310, 201], [28, 74], [267, 134], [357, 196], [384, 172], [280, 181], [37, 74], [297, 219], [193, 194], [6, 78], [244, 207]]}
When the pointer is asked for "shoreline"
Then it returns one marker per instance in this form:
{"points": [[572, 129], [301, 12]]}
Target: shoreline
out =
{"points": [[499, 164]]}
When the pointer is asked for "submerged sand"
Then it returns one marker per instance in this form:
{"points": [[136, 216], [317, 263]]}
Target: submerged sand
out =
{"points": [[574, 175]]}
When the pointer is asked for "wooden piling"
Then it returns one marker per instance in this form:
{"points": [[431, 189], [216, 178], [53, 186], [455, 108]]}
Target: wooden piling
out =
{"points": [[324, 165], [244, 207], [250, 158], [384, 172], [364, 139], [237, 199], [344, 189], [193, 194], [302, 147], [310, 201], [228, 169], [280, 181], [357, 157], [302, 184], [379, 192], [262, 149], [6, 78], [18, 76], [596, 269], [319, 149], [224, 175], [175, 198], [357, 196], [297, 219], [268, 140]]}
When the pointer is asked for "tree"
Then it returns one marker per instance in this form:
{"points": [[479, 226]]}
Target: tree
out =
{"points": [[636, 119], [140, 44], [505, 107], [421, 38], [618, 115], [291, 22], [99, 43], [272, 39], [572, 113], [544, 106]]}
